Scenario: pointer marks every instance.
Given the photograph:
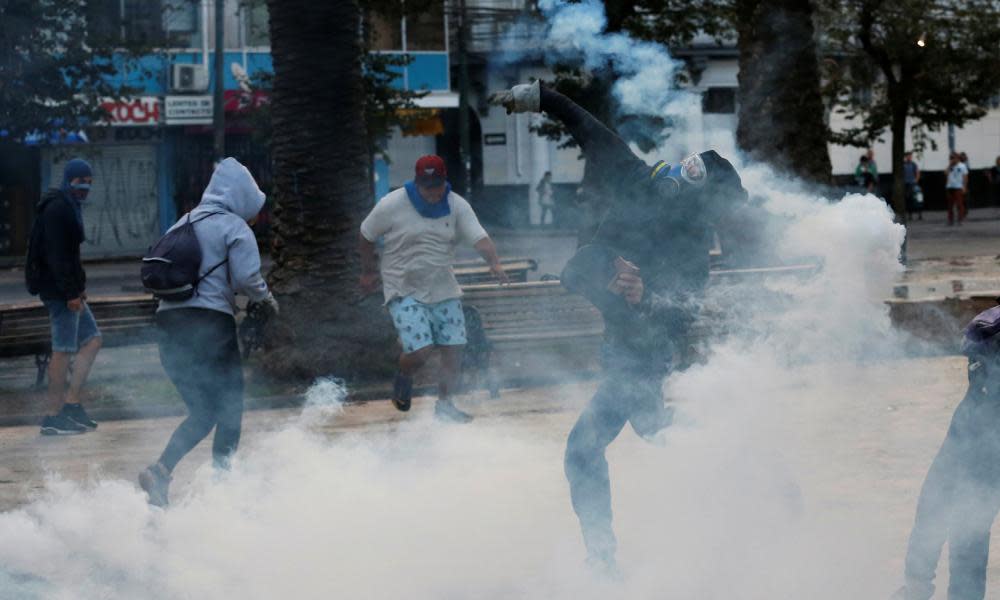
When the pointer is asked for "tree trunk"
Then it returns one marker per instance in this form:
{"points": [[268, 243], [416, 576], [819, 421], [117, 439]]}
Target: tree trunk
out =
{"points": [[781, 112], [322, 192]]}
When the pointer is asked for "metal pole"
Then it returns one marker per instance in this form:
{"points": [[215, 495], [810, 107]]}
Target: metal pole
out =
{"points": [[463, 101], [951, 137], [218, 115]]}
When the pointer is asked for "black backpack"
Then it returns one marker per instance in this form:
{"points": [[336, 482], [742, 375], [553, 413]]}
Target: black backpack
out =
{"points": [[170, 271], [33, 262]]}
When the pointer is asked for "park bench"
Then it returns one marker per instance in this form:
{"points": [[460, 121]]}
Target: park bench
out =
{"points": [[513, 328], [473, 272], [540, 329], [123, 320]]}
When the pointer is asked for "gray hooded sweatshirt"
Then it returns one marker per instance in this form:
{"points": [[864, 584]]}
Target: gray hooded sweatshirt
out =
{"points": [[234, 195]]}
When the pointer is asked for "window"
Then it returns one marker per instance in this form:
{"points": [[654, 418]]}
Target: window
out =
{"points": [[387, 34], [719, 100], [256, 22], [163, 23], [425, 31]]}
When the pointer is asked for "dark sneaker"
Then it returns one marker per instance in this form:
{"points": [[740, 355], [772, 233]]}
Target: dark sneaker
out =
{"points": [[445, 410], [61, 425], [155, 481], [402, 392], [78, 414]]}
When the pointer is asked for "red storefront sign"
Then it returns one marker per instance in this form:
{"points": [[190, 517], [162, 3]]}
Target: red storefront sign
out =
{"points": [[235, 101], [133, 111]]}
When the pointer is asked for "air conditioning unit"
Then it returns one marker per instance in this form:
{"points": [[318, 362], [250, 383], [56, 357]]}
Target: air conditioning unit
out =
{"points": [[189, 78]]}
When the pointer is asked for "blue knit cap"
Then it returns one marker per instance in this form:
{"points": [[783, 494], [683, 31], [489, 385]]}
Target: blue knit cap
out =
{"points": [[73, 169]]}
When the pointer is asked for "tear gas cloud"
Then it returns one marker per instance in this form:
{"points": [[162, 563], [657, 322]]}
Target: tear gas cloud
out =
{"points": [[740, 499]]}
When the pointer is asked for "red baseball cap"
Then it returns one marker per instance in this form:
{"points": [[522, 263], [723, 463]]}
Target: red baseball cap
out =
{"points": [[430, 171]]}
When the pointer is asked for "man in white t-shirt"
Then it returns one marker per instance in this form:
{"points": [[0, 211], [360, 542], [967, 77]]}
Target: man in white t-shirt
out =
{"points": [[421, 224], [956, 188]]}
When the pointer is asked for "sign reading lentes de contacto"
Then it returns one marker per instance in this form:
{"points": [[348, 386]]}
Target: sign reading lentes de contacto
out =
{"points": [[188, 110]]}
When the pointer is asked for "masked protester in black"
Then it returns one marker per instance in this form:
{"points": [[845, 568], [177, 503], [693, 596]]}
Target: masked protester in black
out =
{"points": [[644, 270], [961, 494]]}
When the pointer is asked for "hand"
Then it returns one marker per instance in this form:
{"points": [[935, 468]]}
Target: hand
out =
{"points": [[75, 305], [497, 270], [627, 282], [369, 283], [525, 97], [628, 286]]}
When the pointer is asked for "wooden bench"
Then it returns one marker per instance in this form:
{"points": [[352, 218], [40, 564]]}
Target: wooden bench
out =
{"points": [[123, 321], [474, 272], [512, 327], [533, 328]]}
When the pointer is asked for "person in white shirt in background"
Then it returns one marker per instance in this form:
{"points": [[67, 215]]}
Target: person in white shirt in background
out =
{"points": [[421, 224], [956, 188]]}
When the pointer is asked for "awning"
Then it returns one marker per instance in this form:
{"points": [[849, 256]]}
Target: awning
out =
{"points": [[438, 100]]}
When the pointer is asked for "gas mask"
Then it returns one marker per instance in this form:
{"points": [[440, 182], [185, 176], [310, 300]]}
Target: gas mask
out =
{"points": [[690, 170]]}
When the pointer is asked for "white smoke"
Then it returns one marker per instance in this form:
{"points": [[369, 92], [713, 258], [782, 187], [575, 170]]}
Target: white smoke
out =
{"points": [[750, 496]]}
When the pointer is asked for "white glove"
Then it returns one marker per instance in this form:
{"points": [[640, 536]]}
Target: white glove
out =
{"points": [[525, 97]]}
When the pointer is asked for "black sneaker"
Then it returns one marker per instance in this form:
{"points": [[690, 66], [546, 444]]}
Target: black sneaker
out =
{"points": [[155, 481], [445, 410], [78, 414], [402, 392], [61, 425]]}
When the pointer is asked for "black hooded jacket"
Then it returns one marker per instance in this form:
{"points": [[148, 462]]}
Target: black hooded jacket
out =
{"points": [[56, 240], [661, 225]]}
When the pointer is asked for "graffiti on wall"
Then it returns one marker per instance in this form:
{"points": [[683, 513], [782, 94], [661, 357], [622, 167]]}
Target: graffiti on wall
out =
{"points": [[121, 214]]}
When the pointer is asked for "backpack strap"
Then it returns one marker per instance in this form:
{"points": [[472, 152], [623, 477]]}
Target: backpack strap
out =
{"points": [[209, 272]]}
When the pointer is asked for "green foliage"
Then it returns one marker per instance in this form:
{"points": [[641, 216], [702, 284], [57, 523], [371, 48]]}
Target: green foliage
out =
{"points": [[53, 74], [877, 68]]}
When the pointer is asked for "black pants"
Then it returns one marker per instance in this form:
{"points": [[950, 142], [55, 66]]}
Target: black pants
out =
{"points": [[620, 399], [200, 353], [958, 503]]}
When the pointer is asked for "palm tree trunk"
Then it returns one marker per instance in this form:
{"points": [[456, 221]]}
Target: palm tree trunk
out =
{"points": [[322, 192], [781, 113]]}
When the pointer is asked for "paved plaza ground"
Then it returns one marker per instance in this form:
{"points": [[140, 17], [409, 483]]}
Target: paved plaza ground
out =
{"points": [[815, 481]]}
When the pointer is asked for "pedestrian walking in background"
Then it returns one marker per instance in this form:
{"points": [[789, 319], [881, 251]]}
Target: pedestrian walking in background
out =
{"points": [[956, 187], [422, 223], [54, 272], [198, 343], [993, 175], [546, 199], [864, 176], [911, 182]]}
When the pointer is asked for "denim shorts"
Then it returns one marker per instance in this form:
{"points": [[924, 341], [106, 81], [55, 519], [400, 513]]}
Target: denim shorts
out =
{"points": [[70, 330], [420, 325]]}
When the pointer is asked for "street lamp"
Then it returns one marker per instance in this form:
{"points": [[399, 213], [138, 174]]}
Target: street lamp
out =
{"points": [[923, 40]]}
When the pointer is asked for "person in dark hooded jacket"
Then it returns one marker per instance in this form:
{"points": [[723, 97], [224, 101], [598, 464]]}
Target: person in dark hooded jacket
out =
{"points": [[960, 496], [644, 269], [54, 272]]}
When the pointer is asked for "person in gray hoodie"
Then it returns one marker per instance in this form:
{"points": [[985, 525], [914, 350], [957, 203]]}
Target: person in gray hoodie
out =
{"points": [[198, 339]]}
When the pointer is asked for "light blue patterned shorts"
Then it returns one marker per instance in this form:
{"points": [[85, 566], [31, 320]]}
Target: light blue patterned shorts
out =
{"points": [[420, 325]]}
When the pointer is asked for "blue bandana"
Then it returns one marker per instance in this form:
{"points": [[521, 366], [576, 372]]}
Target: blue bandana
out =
{"points": [[74, 169], [425, 208]]}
